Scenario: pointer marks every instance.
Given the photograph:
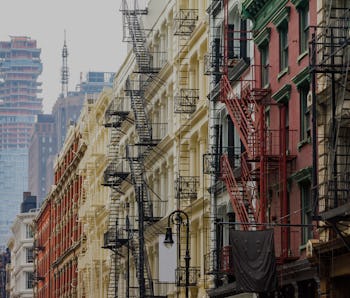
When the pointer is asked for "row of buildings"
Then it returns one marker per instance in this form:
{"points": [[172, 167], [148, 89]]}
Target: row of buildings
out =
{"points": [[30, 141], [28, 138], [225, 134]]}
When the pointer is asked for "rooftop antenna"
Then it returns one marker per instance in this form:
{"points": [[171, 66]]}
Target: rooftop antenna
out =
{"points": [[64, 70]]}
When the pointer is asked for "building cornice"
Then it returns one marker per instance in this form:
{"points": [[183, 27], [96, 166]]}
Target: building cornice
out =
{"points": [[302, 78], [261, 12], [283, 94]]}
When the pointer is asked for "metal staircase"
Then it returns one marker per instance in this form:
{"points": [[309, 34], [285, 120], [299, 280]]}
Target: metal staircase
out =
{"points": [[136, 88], [142, 123], [146, 270], [138, 177], [330, 64], [241, 111], [246, 110]]}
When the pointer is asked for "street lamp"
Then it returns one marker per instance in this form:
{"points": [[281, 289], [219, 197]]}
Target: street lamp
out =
{"points": [[168, 241]]}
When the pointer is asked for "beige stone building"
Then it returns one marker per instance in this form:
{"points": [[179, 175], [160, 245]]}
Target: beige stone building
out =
{"points": [[158, 133], [93, 261]]}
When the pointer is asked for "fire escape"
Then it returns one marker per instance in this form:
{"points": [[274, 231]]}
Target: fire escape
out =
{"points": [[244, 171], [247, 114], [131, 167], [329, 63], [185, 105], [115, 173]]}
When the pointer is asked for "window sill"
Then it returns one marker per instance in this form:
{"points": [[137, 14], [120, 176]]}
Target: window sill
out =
{"points": [[282, 73], [301, 56], [303, 142], [302, 247]]}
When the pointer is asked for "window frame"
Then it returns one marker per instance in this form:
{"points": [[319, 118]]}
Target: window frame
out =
{"points": [[306, 210], [304, 28], [29, 279], [305, 127], [283, 46], [265, 64], [29, 231], [29, 255]]}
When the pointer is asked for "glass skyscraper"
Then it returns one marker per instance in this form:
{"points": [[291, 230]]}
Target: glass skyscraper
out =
{"points": [[20, 66]]}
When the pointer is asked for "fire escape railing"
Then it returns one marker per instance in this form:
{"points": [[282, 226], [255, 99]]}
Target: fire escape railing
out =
{"points": [[145, 74]]}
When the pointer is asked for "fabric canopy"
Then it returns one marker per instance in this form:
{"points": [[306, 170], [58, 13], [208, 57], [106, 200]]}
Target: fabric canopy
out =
{"points": [[254, 261]]}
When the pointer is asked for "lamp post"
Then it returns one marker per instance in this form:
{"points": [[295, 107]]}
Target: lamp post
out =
{"points": [[168, 241]]}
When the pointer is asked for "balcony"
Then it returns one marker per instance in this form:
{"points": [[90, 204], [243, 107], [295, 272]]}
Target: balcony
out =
{"points": [[187, 187], [185, 21], [180, 276], [186, 101], [334, 203]]}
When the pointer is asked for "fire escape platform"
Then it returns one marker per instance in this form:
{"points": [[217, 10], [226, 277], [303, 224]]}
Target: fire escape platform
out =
{"points": [[340, 213]]}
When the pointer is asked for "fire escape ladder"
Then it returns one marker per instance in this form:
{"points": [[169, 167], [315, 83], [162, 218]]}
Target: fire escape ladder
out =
{"points": [[331, 58], [137, 37], [115, 172], [250, 179], [142, 124], [241, 204], [339, 157], [135, 251], [138, 172], [114, 271], [239, 111]]}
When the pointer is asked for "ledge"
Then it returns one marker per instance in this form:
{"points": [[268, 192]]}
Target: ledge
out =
{"points": [[304, 142], [302, 78], [263, 38], [282, 17], [282, 95], [283, 73], [301, 56], [302, 175]]}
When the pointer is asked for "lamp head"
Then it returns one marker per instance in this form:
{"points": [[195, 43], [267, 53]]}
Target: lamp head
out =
{"points": [[168, 241]]}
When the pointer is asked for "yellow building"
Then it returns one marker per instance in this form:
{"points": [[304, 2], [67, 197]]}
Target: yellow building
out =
{"points": [[93, 262], [158, 134]]}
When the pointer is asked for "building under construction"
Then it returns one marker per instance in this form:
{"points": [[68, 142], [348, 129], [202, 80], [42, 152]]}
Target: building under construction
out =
{"points": [[20, 66]]}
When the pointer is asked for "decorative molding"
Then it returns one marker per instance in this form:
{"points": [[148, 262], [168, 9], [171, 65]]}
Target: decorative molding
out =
{"points": [[283, 95], [261, 11], [303, 175], [282, 17], [263, 37], [300, 3], [302, 78]]}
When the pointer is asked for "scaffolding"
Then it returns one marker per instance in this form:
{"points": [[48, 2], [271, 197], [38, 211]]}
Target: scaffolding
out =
{"points": [[329, 67]]}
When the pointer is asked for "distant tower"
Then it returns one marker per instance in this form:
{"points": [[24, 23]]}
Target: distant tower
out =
{"points": [[64, 70]]}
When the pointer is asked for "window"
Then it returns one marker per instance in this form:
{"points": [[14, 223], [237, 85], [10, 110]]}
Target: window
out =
{"points": [[29, 280], [304, 28], [29, 231], [306, 210], [29, 255], [231, 41], [305, 130], [283, 37], [264, 51]]}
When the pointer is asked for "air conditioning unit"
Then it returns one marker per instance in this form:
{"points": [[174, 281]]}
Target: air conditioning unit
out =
{"points": [[310, 247], [309, 100]]}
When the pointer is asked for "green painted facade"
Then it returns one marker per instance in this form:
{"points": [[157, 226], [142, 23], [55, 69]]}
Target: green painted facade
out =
{"points": [[261, 12]]}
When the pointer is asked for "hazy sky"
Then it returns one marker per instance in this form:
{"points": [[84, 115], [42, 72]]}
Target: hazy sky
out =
{"points": [[94, 36]]}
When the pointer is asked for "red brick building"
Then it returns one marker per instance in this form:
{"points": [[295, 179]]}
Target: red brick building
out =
{"points": [[58, 230], [260, 70], [281, 37]]}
